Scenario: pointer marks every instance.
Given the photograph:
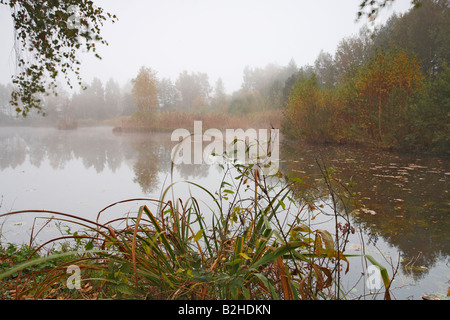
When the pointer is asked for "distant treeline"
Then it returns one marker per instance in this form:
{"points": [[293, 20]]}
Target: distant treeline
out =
{"points": [[146, 96]]}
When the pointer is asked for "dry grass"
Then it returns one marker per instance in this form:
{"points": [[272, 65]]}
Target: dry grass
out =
{"points": [[171, 120]]}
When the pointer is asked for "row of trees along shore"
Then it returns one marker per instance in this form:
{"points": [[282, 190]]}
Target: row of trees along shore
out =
{"points": [[387, 87]]}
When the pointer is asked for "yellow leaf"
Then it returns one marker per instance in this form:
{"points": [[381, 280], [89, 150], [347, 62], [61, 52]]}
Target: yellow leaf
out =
{"points": [[199, 235], [243, 255]]}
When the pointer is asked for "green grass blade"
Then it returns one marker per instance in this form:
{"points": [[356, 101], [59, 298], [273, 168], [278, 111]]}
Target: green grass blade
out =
{"points": [[276, 253], [383, 271], [48, 258]]}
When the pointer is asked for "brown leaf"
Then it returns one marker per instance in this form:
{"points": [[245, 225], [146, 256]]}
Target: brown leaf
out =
{"points": [[287, 290]]}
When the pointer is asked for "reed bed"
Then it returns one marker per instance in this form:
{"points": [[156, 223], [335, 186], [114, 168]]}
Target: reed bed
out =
{"points": [[171, 120]]}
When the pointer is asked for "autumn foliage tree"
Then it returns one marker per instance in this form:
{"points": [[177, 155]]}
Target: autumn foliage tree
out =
{"points": [[384, 87], [145, 93], [371, 106], [311, 111], [387, 87]]}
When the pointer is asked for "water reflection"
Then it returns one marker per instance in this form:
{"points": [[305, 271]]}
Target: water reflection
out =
{"points": [[18, 145], [98, 148], [147, 164], [405, 197]]}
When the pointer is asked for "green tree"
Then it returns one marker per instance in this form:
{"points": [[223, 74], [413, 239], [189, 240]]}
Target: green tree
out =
{"points": [[429, 116], [424, 32], [310, 113], [113, 98], [219, 99], [96, 94], [57, 106], [6, 111], [89, 102], [244, 102], [194, 90], [168, 94], [325, 69], [290, 82], [352, 53], [48, 35], [268, 84]]}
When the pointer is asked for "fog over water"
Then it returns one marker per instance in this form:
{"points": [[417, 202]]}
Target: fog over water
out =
{"points": [[219, 38]]}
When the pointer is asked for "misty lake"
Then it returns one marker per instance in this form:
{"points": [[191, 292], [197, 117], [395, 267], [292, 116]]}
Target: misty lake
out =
{"points": [[82, 171]]}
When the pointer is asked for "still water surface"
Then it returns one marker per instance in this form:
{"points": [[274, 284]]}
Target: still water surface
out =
{"points": [[405, 196]]}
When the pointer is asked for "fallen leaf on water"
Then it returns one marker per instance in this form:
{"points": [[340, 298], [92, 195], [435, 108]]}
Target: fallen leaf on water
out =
{"points": [[372, 212], [427, 297]]}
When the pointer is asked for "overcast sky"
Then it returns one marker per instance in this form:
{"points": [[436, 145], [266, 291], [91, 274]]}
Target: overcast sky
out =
{"points": [[218, 37]]}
